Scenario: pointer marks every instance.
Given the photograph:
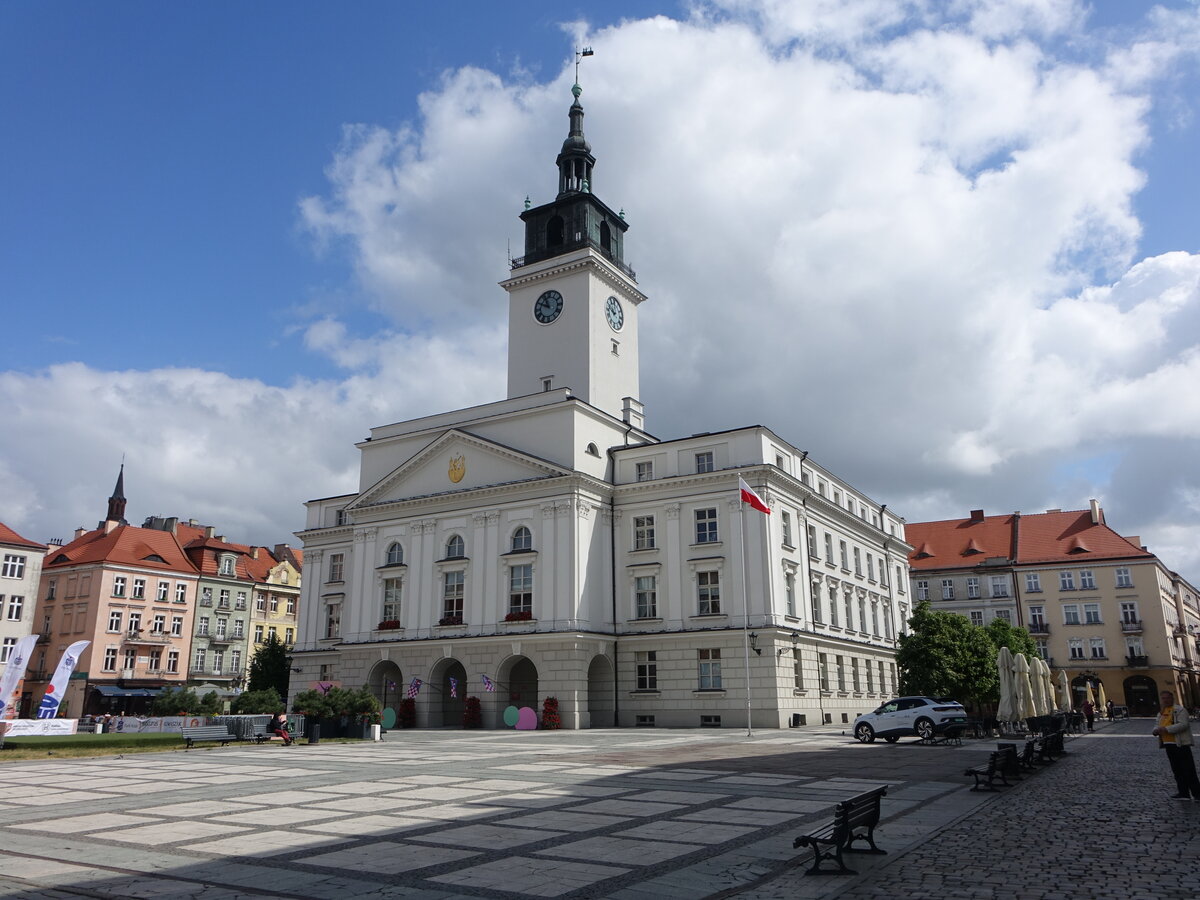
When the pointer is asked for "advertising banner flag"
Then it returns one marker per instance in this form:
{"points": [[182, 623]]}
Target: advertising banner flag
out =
{"points": [[58, 684], [18, 660]]}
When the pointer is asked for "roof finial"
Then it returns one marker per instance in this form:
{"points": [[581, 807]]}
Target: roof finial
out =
{"points": [[580, 54]]}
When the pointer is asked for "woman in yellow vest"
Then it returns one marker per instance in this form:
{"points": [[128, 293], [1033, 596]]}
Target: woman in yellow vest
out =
{"points": [[1175, 736]]}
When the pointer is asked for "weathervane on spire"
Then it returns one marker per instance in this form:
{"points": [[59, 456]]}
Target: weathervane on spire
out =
{"points": [[580, 54]]}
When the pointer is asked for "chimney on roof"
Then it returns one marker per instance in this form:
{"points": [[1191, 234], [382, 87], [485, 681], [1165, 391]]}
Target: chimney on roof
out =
{"points": [[193, 522], [209, 531], [55, 542], [109, 525], [254, 553], [80, 532], [221, 538], [1097, 513], [1053, 511], [977, 515]]}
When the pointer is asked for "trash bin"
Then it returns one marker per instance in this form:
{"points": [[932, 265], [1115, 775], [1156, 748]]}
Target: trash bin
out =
{"points": [[99, 728], [375, 736], [314, 733]]}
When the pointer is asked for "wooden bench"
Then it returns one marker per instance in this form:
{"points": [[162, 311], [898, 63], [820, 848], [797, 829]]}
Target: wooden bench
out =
{"points": [[257, 733], [985, 776], [853, 820], [953, 734], [1010, 760], [215, 733], [1051, 747]]}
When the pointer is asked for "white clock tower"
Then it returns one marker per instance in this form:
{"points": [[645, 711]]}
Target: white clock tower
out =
{"points": [[573, 302]]}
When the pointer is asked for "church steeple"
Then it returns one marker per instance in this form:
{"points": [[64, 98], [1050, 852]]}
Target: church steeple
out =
{"points": [[575, 160], [116, 503]]}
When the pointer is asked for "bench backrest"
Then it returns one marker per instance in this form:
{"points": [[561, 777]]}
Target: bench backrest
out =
{"points": [[862, 809]]}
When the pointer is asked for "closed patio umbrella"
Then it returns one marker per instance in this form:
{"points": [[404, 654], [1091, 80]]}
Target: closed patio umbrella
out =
{"points": [[1064, 689], [1005, 709], [1037, 686], [1101, 701], [1024, 690], [1088, 696], [1048, 676]]}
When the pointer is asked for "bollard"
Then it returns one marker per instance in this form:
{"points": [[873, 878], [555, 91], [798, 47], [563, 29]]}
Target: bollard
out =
{"points": [[314, 733]]}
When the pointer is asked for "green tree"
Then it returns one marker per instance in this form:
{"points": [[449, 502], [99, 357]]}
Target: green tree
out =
{"points": [[176, 702], [1017, 640], [270, 669], [252, 702], [944, 655], [211, 704]]}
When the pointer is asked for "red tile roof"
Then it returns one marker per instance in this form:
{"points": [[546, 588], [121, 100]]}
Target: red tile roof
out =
{"points": [[1058, 536], [10, 537], [125, 545]]}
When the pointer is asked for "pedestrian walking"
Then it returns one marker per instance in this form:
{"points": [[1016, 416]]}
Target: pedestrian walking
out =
{"points": [[1089, 712], [1174, 733], [1111, 707]]}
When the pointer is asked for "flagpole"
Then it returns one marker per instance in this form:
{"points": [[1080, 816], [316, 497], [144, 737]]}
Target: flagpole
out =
{"points": [[745, 610]]}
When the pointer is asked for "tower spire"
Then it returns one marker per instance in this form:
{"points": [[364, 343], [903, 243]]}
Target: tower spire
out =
{"points": [[116, 503], [575, 160]]}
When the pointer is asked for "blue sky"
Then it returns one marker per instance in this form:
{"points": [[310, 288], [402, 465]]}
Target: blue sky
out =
{"points": [[237, 235]]}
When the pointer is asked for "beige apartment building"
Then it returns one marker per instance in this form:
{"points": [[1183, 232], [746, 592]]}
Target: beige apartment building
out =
{"points": [[1099, 605]]}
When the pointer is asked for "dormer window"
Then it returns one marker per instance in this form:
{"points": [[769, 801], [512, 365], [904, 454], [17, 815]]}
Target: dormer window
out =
{"points": [[522, 540], [395, 554], [455, 548], [226, 565]]}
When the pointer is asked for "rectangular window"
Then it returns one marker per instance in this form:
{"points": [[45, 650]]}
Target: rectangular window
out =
{"points": [[882, 573], [14, 566], [1124, 577], [201, 658], [797, 670], [870, 673], [260, 602], [391, 599], [1134, 647], [922, 589], [899, 579], [51, 589], [1087, 581], [833, 606], [1097, 648], [840, 664], [452, 593], [221, 624], [10, 644], [110, 659], [708, 586], [172, 660], [854, 678], [202, 625], [224, 601], [180, 593], [870, 568], [710, 669], [160, 624], [844, 555], [206, 596], [337, 562], [704, 462], [258, 634], [274, 604], [218, 661], [828, 547], [976, 617], [645, 589], [520, 589], [857, 561], [706, 526], [812, 543], [241, 600], [999, 585], [643, 533], [1066, 581], [972, 588], [644, 471], [1033, 582], [785, 522], [135, 622], [291, 606], [118, 589], [1129, 614], [823, 670], [816, 605], [139, 589], [790, 594], [333, 620], [647, 670], [1091, 614], [239, 628], [177, 626], [1071, 614], [1075, 647], [1043, 648], [155, 660], [874, 618], [1037, 616], [164, 591], [947, 588], [16, 604], [130, 660], [235, 661], [290, 636]]}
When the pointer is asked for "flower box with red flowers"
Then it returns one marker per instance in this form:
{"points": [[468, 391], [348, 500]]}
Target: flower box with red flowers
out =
{"points": [[450, 620], [388, 625], [523, 615]]}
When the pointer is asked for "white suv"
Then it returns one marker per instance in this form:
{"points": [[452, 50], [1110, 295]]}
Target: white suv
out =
{"points": [[922, 716]]}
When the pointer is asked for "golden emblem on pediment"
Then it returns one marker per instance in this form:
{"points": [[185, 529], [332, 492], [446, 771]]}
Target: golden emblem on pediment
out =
{"points": [[458, 468]]}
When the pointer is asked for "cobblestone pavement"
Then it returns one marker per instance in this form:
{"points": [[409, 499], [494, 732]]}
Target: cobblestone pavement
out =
{"points": [[632, 814], [1097, 824]]}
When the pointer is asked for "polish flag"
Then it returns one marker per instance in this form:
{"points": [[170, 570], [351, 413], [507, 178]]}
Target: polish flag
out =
{"points": [[748, 496]]}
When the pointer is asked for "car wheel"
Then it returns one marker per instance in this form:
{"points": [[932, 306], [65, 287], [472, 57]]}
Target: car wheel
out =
{"points": [[924, 728], [865, 733], [892, 738]]}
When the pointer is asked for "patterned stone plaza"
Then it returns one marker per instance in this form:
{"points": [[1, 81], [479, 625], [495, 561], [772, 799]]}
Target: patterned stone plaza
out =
{"points": [[433, 814]]}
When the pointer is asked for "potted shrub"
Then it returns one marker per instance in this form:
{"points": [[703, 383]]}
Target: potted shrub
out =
{"points": [[550, 718], [472, 713]]}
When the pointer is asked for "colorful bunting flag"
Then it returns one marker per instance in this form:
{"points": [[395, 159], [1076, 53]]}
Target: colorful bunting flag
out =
{"points": [[453, 687], [414, 688], [488, 684]]}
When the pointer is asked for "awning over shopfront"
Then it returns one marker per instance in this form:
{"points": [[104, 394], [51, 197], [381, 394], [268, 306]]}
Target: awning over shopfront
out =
{"points": [[111, 690]]}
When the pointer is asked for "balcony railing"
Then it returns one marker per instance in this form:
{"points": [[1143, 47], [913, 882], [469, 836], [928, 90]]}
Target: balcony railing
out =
{"points": [[1132, 627], [1137, 662], [1039, 628], [140, 637]]}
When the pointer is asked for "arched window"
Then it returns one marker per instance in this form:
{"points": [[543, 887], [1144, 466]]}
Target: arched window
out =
{"points": [[455, 548], [554, 232], [522, 539], [593, 450], [395, 554]]}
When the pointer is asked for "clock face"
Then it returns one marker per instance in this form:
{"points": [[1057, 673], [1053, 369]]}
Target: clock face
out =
{"points": [[547, 307], [614, 314]]}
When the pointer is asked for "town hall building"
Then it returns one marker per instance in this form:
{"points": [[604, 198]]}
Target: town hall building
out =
{"points": [[548, 544]]}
